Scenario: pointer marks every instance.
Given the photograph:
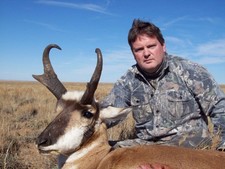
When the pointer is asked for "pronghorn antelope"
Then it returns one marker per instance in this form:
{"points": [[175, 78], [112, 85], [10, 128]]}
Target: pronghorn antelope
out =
{"points": [[79, 132]]}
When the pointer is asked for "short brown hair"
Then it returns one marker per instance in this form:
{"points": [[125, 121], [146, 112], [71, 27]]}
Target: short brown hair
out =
{"points": [[141, 27]]}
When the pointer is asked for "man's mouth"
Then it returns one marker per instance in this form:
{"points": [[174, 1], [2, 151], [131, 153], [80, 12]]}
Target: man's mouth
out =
{"points": [[148, 61]]}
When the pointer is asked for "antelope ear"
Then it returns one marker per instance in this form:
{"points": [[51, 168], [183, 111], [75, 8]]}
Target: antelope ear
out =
{"points": [[113, 115]]}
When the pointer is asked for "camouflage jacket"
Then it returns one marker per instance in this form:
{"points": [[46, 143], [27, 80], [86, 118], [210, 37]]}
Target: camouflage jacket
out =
{"points": [[173, 107]]}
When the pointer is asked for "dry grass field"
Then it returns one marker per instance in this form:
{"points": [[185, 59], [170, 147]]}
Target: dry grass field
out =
{"points": [[25, 110]]}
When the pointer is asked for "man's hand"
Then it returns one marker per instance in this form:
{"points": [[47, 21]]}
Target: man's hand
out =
{"points": [[153, 166]]}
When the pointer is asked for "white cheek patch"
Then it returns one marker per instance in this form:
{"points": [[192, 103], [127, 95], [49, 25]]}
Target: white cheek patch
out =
{"points": [[69, 141]]}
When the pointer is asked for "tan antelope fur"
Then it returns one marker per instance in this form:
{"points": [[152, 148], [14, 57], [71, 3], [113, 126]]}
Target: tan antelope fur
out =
{"points": [[79, 132]]}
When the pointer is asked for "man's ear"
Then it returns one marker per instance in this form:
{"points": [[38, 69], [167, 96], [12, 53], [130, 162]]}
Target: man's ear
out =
{"points": [[113, 113], [164, 47]]}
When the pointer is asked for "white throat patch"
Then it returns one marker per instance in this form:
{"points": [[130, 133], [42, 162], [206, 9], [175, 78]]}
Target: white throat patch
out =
{"points": [[70, 141], [80, 154]]}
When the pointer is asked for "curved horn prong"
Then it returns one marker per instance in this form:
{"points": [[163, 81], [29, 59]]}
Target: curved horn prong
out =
{"points": [[93, 84], [49, 78]]}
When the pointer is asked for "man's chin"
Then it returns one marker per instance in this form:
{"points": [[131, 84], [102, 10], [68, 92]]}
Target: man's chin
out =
{"points": [[149, 70]]}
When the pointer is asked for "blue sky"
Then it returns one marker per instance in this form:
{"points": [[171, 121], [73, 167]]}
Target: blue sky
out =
{"points": [[193, 29]]}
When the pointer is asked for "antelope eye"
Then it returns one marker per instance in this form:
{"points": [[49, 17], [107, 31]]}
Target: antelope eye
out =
{"points": [[87, 114]]}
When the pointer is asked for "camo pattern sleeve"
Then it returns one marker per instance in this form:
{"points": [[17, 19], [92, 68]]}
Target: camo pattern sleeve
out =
{"points": [[208, 95]]}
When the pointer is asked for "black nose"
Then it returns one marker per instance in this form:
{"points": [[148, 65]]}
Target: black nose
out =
{"points": [[41, 141]]}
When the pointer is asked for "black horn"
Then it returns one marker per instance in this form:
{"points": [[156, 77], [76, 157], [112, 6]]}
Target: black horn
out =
{"points": [[49, 78], [93, 84]]}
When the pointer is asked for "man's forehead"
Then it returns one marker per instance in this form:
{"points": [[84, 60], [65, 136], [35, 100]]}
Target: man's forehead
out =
{"points": [[144, 39]]}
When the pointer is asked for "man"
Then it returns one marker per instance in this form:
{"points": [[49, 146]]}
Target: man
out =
{"points": [[173, 100]]}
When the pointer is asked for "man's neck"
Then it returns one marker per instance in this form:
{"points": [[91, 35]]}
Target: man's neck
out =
{"points": [[157, 73]]}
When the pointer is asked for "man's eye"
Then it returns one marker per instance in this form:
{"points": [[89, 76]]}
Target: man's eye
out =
{"points": [[151, 46], [137, 50], [87, 114]]}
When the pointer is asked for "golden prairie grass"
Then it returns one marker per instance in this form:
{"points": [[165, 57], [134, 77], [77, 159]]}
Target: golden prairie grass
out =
{"points": [[25, 110], [223, 87]]}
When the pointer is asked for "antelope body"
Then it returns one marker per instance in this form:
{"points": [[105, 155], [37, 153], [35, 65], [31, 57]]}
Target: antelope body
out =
{"points": [[79, 132]]}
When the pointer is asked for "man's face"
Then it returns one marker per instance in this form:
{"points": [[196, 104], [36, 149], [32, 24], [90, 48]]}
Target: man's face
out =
{"points": [[148, 52]]}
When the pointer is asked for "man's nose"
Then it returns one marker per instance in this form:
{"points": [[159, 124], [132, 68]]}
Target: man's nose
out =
{"points": [[147, 53]]}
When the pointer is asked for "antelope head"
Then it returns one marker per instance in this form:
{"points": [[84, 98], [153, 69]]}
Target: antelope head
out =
{"points": [[78, 112]]}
